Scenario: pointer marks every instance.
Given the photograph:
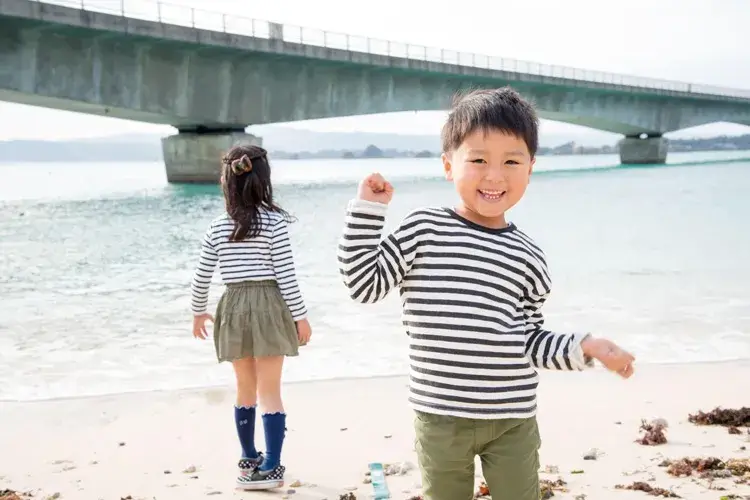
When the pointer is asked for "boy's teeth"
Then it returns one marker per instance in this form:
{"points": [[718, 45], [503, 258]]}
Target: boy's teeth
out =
{"points": [[491, 194]]}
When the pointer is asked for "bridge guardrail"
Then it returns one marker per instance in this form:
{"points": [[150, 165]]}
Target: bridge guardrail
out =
{"points": [[182, 15]]}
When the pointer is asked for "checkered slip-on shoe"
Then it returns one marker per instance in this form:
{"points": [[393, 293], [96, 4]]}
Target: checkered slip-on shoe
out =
{"points": [[248, 465], [262, 479]]}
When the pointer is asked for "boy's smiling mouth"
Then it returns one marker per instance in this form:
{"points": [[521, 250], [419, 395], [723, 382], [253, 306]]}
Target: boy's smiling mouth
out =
{"points": [[491, 194]]}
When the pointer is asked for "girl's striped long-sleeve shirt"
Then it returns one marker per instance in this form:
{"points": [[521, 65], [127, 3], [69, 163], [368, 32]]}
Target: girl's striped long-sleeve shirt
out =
{"points": [[471, 304], [267, 256]]}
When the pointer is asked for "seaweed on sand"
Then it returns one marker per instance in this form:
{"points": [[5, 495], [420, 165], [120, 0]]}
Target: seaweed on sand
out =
{"points": [[7, 494], [686, 466], [647, 488], [654, 433], [483, 491], [727, 417], [708, 467], [547, 489]]}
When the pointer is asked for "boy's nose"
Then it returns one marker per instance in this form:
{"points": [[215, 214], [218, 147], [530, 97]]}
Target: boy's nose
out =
{"points": [[494, 174]]}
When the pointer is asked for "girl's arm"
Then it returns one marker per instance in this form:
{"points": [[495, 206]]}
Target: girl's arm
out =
{"points": [[283, 266], [203, 273]]}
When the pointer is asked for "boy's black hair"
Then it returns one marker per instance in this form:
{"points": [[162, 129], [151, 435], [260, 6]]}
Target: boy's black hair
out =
{"points": [[501, 109], [246, 183]]}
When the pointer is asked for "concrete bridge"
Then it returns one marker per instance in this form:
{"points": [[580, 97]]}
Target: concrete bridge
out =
{"points": [[211, 75]]}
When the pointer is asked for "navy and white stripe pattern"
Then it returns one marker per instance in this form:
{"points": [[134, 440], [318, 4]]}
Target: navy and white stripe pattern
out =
{"points": [[471, 298], [267, 256]]}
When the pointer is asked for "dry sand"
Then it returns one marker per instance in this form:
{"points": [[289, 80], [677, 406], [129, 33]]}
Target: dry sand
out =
{"points": [[140, 444]]}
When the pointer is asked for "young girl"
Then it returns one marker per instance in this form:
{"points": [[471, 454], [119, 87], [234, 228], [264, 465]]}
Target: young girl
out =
{"points": [[261, 317]]}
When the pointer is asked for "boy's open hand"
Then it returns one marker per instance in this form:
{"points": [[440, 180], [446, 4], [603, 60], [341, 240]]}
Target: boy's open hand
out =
{"points": [[375, 188], [610, 355]]}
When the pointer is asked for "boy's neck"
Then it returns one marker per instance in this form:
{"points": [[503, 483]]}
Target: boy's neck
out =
{"points": [[488, 222]]}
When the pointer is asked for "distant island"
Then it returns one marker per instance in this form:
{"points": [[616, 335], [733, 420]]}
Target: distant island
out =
{"points": [[371, 151], [294, 144], [721, 143]]}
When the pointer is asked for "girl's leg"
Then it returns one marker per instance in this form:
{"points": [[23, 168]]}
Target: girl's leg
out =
{"points": [[268, 370], [245, 405]]}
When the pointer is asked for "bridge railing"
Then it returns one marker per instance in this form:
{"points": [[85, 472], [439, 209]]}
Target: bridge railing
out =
{"points": [[181, 15]]}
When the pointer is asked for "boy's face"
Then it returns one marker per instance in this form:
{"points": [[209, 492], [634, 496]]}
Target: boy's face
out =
{"points": [[490, 171]]}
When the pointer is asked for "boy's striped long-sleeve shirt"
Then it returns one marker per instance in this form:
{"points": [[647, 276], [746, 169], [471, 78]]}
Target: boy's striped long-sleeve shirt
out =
{"points": [[267, 256], [471, 304]]}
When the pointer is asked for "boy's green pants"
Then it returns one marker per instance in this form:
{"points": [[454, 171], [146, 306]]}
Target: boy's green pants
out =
{"points": [[509, 451]]}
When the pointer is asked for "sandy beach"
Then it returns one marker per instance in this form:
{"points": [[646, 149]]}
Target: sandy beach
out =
{"points": [[182, 445]]}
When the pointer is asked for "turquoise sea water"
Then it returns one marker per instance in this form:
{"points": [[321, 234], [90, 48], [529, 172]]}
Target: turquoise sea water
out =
{"points": [[95, 263]]}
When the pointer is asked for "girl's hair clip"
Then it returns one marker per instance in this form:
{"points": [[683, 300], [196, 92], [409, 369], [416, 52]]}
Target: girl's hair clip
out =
{"points": [[241, 165]]}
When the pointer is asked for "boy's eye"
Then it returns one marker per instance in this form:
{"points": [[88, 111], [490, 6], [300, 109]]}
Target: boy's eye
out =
{"points": [[477, 160], [512, 162]]}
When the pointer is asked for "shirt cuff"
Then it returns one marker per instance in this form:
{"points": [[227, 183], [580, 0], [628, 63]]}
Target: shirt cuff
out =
{"points": [[579, 360], [368, 207]]}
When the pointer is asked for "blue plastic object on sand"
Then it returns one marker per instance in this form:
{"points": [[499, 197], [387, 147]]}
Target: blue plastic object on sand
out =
{"points": [[377, 475]]}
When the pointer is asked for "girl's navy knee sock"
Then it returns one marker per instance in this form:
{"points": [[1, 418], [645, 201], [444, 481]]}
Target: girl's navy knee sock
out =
{"points": [[274, 427], [244, 418]]}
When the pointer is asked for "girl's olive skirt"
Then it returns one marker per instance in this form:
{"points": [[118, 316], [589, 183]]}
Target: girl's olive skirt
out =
{"points": [[252, 320]]}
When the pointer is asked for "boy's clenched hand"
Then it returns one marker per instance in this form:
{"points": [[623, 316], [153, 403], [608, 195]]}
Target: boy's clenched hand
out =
{"points": [[375, 188]]}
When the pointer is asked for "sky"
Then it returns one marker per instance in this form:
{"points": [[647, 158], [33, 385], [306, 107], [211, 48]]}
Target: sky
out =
{"points": [[697, 41]]}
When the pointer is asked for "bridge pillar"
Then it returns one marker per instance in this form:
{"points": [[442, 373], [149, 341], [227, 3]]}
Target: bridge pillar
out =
{"points": [[651, 150], [194, 155]]}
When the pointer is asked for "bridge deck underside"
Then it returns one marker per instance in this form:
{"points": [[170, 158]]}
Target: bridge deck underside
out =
{"points": [[184, 84]]}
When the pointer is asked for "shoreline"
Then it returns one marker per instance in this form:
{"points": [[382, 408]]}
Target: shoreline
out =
{"points": [[229, 381]]}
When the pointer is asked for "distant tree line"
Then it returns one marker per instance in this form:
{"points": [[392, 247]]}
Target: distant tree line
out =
{"points": [[150, 150], [721, 143]]}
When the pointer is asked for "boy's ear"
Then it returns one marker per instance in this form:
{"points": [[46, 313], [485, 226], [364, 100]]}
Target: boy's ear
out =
{"points": [[531, 168], [447, 167]]}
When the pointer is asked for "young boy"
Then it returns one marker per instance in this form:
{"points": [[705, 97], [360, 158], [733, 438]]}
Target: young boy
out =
{"points": [[472, 286]]}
